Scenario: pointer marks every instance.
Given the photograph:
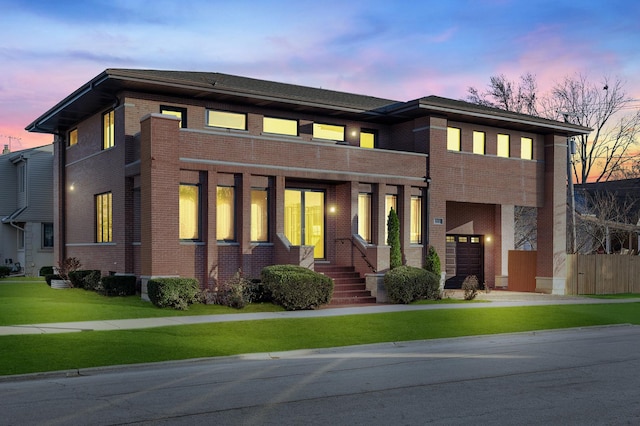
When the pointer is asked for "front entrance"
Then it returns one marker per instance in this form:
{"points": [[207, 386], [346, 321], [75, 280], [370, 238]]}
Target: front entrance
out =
{"points": [[464, 257], [304, 221]]}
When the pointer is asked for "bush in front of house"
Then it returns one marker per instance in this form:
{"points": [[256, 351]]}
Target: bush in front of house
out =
{"points": [[296, 288], [45, 270], [119, 285], [50, 277], [4, 271], [406, 284], [235, 292], [470, 287], [432, 262], [176, 293], [85, 278]]}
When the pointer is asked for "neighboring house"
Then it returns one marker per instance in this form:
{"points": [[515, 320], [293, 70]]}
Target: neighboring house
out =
{"points": [[169, 173], [26, 210], [610, 216]]}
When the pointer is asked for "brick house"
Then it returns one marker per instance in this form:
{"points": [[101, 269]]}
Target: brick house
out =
{"points": [[167, 173], [26, 209]]}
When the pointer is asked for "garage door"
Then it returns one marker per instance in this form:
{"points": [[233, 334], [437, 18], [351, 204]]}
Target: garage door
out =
{"points": [[464, 257]]}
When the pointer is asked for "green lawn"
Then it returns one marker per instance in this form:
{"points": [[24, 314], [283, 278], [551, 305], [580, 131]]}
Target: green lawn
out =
{"points": [[38, 353]]}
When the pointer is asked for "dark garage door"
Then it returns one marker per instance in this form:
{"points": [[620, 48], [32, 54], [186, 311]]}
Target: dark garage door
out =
{"points": [[464, 257]]}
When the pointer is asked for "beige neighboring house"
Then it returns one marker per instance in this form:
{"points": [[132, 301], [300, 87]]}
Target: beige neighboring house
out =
{"points": [[26, 210]]}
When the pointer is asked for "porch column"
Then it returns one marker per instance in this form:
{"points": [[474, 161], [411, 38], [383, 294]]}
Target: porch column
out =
{"points": [[552, 219]]}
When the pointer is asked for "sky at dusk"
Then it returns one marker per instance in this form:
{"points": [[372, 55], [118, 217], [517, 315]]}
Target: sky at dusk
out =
{"points": [[400, 50]]}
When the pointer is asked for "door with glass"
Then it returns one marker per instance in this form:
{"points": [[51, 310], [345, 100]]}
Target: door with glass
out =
{"points": [[304, 219]]}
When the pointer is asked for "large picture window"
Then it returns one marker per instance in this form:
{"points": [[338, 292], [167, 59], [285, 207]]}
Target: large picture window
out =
{"points": [[227, 120], [259, 215], [189, 212], [108, 137], [364, 216], [104, 218], [225, 213]]}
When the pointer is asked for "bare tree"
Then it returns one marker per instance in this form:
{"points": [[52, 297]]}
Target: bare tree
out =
{"points": [[508, 95], [525, 228]]}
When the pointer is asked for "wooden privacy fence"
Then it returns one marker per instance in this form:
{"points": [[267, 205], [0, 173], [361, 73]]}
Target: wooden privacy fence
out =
{"points": [[522, 270], [602, 274]]}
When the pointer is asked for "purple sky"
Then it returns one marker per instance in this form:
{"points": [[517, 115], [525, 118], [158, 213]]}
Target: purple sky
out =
{"points": [[401, 50]]}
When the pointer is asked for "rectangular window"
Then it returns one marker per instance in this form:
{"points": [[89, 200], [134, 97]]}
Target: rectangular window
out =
{"points": [[463, 239], [503, 146], [227, 120], [47, 235], [416, 220], [225, 213], [73, 137], [526, 148], [280, 126], [479, 145], [189, 215], [22, 177], [390, 202], [453, 139], [20, 236], [451, 239], [108, 137], [259, 215], [328, 131], [475, 240], [104, 217], [181, 113], [364, 216], [367, 139]]}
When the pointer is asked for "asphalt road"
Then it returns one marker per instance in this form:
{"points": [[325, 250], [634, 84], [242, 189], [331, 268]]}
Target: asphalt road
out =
{"points": [[587, 376]]}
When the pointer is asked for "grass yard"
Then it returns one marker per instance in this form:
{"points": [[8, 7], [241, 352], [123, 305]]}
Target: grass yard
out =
{"points": [[27, 302]]}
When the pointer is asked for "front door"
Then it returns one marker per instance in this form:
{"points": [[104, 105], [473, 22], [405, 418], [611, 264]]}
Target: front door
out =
{"points": [[304, 219]]}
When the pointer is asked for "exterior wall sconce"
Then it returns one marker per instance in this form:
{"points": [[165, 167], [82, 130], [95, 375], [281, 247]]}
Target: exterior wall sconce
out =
{"points": [[332, 209]]}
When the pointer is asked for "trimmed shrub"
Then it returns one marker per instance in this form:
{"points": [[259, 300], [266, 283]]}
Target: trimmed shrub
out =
{"points": [[85, 278], [295, 288], [176, 293], [405, 284], [432, 262], [4, 271], [45, 270], [470, 286], [235, 293], [119, 285], [259, 292], [393, 239], [50, 277]]}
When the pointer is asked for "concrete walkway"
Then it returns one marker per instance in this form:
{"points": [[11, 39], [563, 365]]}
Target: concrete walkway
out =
{"points": [[494, 299]]}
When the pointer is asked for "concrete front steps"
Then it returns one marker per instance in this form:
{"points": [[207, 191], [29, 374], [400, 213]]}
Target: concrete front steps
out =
{"points": [[349, 287]]}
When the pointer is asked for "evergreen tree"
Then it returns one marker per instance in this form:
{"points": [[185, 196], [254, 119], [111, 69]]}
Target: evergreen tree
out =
{"points": [[393, 239], [432, 263]]}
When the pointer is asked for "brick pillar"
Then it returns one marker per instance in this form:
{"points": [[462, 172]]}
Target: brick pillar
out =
{"points": [[159, 197], [552, 219]]}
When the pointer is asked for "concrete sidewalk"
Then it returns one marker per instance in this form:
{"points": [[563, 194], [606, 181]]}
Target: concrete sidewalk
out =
{"points": [[494, 299]]}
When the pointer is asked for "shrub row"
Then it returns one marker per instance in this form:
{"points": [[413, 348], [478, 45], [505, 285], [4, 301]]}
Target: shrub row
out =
{"points": [[405, 284], [88, 279], [177, 293], [119, 285], [295, 287]]}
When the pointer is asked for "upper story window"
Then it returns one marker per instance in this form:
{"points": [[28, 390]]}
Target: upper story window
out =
{"points": [[108, 137], [73, 137], [503, 146], [453, 139], [181, 113], [227, 120], [22, 177], [280, 126], [367, 139], [328, 131], [189, 216], [479, 143], [526, 148]]}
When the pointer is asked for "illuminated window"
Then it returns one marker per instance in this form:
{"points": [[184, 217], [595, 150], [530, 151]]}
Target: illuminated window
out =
{"points": [[367, 139], [526, 148], [108, 137], [390, 202], [475, 240], [479, 145], [189, 212], [228, 120], [181, 113], [451, 239], [364, 216], [47, 235], [280, 126], [259, 215], [225, 214], [73, 137], [503, 146], [104, 218], [463, 239], [328, 131], [453, 139], [416, 220]]}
